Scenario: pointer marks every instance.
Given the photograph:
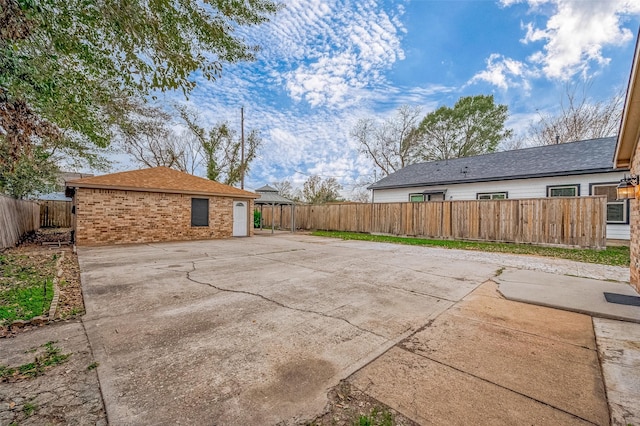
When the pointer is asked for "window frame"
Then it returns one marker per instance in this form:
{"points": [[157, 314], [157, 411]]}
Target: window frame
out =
{"points": [[505, 195], [426, 196], [624, 203], [570, 185], [196, 221]]}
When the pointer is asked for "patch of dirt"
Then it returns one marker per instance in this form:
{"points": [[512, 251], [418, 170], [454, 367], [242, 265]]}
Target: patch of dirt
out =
{"points": [[70, 302], [62, 389], [350, 406], [46, 235], [51, 385]]}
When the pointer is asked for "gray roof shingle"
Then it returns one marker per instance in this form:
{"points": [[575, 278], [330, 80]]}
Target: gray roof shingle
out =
{"points": [[270, 195], [588, 156]]}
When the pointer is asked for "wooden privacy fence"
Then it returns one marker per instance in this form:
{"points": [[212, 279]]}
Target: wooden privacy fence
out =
{"points": [[17, 217], [572, 221], [55, 214]]}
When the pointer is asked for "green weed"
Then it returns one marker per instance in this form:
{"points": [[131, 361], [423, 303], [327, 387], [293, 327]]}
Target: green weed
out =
{"points": [[52, 356], [28, 408], [376, 418]]}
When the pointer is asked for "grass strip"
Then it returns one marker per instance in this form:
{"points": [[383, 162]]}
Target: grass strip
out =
{"points": [[26, 286], [614, 256]]}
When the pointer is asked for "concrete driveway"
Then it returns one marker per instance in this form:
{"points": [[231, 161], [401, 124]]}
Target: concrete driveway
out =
{"points": [[257, 330]]}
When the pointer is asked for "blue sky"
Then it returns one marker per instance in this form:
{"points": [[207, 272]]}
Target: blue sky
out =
{"points": [[324, 64]]}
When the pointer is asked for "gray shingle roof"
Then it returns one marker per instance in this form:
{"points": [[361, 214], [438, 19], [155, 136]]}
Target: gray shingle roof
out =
{"points": [[266, 188], [589, 156], [269, 195]]}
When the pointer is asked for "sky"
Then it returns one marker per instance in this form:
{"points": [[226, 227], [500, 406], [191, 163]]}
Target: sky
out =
{"points": [[325, 64]]}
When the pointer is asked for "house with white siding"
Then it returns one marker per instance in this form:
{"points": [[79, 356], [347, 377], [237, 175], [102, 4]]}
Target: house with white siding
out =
{"points": [[570, 169]]}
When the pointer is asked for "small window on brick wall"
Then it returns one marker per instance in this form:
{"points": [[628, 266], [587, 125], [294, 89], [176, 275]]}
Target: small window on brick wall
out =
{"points": [[199, 212]]}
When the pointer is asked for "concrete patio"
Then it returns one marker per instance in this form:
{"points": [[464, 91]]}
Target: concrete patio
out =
{"points": [[258, 330]]}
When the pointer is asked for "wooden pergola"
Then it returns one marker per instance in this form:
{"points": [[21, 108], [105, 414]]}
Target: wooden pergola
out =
{"points": [[269, 196]]}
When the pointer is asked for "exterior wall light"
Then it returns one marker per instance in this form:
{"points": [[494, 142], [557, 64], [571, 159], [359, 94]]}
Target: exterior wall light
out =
{"points": [[627, 187]]}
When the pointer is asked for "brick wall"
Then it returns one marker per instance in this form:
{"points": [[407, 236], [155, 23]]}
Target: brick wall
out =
{"points": [[121, 217]]}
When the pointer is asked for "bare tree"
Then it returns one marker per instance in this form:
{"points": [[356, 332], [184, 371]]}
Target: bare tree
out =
{"points": [[392, 144], [360, 195], [147, 137], [151, 151], [285, 188], [514, 142], [578, 119], [191, 157]]}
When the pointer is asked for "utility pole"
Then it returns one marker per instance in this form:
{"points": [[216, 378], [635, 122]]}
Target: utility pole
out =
{"points": [[242, 147]]}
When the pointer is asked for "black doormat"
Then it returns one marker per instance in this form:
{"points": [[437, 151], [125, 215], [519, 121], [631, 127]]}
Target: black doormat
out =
{"points": [[622, 299]]}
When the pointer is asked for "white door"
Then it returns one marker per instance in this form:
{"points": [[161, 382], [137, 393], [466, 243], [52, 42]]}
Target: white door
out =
{"points": [[240, 218]]}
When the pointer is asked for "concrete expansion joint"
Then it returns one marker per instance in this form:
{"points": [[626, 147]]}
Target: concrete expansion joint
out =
{"points": [[468, 318], [496, 384], [419, 293], [97, 371], [419, 271], [280, 304]]}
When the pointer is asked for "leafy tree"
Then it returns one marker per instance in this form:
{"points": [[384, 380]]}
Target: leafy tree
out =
{"points": [[578, 119], [475, 125], [221, 149], [392, 144], [69, 69], [318, 191], [26, 175]]}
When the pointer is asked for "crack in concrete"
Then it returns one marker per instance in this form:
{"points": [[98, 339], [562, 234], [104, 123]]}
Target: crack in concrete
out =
{"points": [[499, 385], [419, 293], [420, 271], [282, 305], [341, 274], [517, 330]]}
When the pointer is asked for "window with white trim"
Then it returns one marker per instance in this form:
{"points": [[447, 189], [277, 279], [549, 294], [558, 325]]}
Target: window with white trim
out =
{"points": [[563, 191], [617, 210], [491, 196], [426, 196]]}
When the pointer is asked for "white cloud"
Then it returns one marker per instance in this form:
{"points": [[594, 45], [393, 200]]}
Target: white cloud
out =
{"points": [[505, 73], [333, 49], [573, 41], [575, 36]]}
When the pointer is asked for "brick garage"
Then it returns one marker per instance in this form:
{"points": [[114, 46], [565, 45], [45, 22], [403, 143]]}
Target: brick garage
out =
{"points": [[628, 155], [157, 204]]}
